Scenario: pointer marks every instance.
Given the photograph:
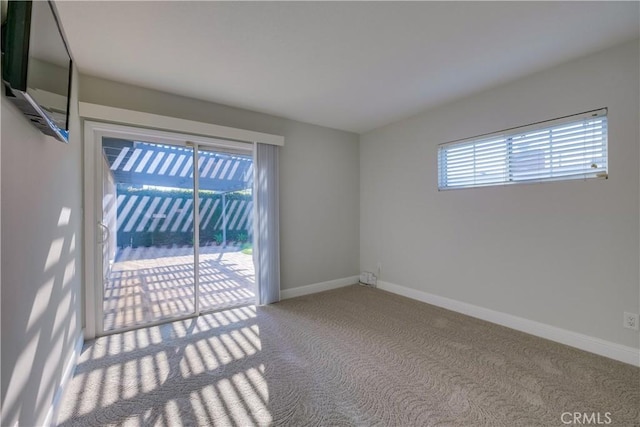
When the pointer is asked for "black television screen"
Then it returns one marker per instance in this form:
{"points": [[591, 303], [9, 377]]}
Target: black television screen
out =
{"points": [[36, 66]]}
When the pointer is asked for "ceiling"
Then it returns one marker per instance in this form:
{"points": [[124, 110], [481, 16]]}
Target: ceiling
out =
{"points": [[353, 66]]}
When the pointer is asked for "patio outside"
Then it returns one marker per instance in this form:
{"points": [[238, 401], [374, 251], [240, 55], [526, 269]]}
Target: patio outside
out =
{"points": [[150, 284], [149, 214]]}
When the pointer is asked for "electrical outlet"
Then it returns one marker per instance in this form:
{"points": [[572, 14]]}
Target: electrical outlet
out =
{"points": [[368, 278], [365, 277], [630, 321]]}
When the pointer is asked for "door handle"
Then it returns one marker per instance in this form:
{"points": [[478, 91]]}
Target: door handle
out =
{"points": [[108, 233]]}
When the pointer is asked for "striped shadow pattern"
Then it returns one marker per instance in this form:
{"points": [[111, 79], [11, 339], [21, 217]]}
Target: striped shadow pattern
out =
{"points": [[156, 217], [141, 163], [353, 356], [151, 284]]}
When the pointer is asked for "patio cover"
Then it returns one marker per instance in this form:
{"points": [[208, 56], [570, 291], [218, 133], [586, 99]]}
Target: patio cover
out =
{"points": [[141, 163]]}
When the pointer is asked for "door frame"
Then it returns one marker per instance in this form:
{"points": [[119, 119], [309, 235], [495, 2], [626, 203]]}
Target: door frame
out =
{"points": [[92, 161]]}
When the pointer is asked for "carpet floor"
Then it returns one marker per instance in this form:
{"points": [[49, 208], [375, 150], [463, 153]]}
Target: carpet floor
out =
{"points": [[351, 356]]}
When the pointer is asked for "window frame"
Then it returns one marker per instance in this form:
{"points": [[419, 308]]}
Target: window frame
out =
{"points": [[509, 158]]}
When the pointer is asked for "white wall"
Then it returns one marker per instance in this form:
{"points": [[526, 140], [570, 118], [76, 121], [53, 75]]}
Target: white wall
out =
{"points": [[319, 200], [563, 253], [41, 262]]}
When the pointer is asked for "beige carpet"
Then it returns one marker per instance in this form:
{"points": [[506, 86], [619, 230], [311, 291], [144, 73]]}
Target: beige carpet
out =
{"points": [[352, 356]]}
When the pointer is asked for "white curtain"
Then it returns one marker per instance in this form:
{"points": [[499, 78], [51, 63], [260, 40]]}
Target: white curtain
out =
{"points": [[266, 236]]}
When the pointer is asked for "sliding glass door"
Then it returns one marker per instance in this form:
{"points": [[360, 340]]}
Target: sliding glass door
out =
{"points": [[159, 260], [225, 265]]}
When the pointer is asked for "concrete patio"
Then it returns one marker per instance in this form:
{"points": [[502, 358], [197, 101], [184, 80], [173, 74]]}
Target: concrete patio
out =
{"points": [[155, 283]]}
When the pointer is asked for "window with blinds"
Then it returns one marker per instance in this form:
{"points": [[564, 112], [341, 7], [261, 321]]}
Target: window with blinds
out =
{"points": [[573, 147]]}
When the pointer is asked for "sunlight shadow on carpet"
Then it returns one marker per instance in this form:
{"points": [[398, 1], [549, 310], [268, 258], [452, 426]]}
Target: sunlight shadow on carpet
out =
{"points": [[350, 356], [197, 371]]}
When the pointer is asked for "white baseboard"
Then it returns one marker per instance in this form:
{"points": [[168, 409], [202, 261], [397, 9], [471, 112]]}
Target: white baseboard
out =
{"points": [[318, 287], [52, 415], [598, 346]]}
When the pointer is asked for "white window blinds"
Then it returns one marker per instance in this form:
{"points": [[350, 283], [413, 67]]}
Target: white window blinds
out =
{"points": [[573, 147]]}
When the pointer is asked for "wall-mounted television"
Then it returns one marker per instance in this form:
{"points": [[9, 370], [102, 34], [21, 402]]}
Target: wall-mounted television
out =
{"points": [[36, 66]]}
